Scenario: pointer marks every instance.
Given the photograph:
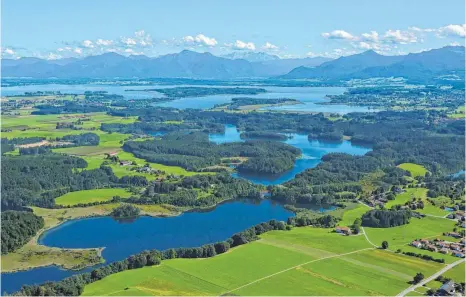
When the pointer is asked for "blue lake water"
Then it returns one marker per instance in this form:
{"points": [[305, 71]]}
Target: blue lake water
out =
{"points": [[312, 152], [122, 239], [309, 96]]}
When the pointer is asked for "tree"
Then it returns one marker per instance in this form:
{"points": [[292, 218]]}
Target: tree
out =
{"points": [[357, 226], [384, 244], [419, 277]]}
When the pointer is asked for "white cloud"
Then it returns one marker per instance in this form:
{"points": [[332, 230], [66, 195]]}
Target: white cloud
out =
{"points": [[269, 47], [372, 36], [402, 37], [452, 30], [9, 51], [88, 44], [241, 45], [78, 51], [335, 53], [53, 56], [200, 39], [104, 42], [339, 34], [128, 41], [143, 38]]}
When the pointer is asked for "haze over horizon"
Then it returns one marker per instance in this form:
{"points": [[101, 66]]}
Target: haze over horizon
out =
{"points": [[279, 29]]}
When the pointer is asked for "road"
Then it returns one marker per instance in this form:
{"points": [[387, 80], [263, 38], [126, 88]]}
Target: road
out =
{"points": [[367, 238], [430, 278]]}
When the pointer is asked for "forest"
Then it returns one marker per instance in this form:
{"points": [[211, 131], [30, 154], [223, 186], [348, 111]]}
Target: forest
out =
{"points": [[18, 227], [194, 152], [380, 218]]}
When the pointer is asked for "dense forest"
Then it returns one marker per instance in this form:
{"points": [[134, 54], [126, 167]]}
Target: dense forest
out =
{"points": [[194, 152], [38, 180], [379, 218], [18, 227]]}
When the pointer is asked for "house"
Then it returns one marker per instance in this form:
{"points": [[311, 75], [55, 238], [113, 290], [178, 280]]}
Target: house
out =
{"points": [[113, 154], [343, 230], [416, 244], [454, 234], [431, 248], [444, 251], [447, 289], [125, 163], [458, 254], [424, 241], [455, 247], [442, 244]]}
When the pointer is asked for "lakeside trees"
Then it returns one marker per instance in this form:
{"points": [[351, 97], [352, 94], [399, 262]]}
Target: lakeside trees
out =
{"points": [[18, 227]]}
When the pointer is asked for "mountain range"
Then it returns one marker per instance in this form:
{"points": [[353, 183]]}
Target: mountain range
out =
{"points": [[369, 64], [448, 60], [186, 64]]}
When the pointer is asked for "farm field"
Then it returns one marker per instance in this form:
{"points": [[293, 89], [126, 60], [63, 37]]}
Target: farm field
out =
{"points": [[427, 227], [90, 196], [297, 262], [414, 169]]}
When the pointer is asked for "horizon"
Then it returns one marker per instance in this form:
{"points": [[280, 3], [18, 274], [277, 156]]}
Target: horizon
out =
{"points": [[394, 28], [225, 56]]}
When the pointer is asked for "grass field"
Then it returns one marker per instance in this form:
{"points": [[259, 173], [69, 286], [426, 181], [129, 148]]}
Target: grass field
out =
{"points": [[414, 169], [303, 261], [408, 195], [416, 229], [351, 214], [457, 273], [458, 114], [90, 196]]}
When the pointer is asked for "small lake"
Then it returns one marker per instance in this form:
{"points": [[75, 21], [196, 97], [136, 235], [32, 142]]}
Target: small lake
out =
{"points": [[122, 239], [312, 152]]}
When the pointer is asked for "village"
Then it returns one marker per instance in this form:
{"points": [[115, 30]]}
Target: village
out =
{"points": [[456, 249]]}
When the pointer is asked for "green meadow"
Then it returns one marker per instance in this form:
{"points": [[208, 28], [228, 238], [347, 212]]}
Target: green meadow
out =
{"points": [[427, 227], [90, 196], [414, 169], [302, 261], [408, 195]]}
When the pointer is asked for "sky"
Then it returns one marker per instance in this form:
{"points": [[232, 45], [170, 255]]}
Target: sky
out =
{"points": [[54, 29]]}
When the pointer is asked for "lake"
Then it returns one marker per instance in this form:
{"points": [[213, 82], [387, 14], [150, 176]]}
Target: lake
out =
{"points": [[122, 239], [309, 96], [312, 152]]}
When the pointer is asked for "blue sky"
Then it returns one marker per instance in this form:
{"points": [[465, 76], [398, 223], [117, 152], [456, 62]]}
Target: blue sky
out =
{"points": [[294, 28]]}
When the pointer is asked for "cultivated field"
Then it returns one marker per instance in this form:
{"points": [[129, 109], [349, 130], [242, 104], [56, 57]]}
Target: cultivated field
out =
{"points": [[90, 196], [297, 262]]}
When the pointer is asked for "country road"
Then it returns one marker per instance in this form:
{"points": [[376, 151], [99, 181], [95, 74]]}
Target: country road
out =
{"points": [[430, 278]]}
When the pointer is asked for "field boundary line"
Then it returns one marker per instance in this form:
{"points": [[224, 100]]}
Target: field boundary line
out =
{"points": [[186, 273], [296, 266]]}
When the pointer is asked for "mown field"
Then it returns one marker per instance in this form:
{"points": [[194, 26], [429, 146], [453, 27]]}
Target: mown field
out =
{"points": [[428, 227], [90, 196], [414, 169], [303, 261]]}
